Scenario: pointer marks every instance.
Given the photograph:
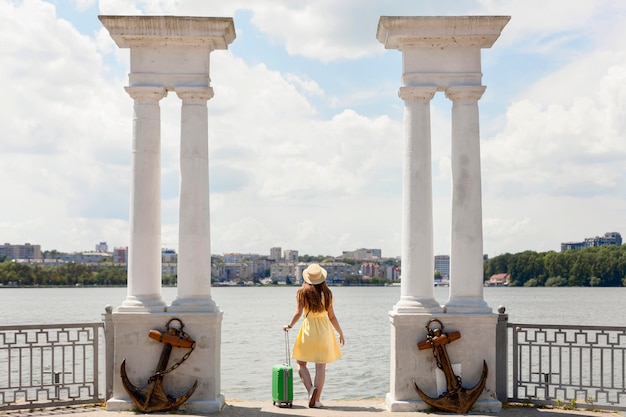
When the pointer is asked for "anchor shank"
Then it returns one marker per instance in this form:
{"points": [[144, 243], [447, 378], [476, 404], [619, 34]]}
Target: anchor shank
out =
{"points": [[164, 358], [452, 381]]}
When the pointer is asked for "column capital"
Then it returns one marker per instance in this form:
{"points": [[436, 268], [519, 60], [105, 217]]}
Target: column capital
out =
{"points": [[194, 95], [417, 93], [465, 94], [146, 93]]}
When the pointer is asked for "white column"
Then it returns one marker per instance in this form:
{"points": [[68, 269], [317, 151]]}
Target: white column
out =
{"points": [[194, 246], [417, 285], [466, 255], [144, 251]]}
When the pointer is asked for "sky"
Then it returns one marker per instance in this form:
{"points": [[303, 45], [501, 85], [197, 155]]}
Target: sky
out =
{"points": [[306, 127]]}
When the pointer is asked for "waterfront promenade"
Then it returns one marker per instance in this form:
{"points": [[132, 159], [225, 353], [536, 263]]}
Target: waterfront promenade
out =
{"points": [[340, 408]]}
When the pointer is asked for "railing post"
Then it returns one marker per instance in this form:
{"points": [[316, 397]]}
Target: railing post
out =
{"points": [[109, 339], [502, 355]]}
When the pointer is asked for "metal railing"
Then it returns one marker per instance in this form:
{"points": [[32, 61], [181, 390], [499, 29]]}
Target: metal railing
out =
{"points": [[50, 365], [578, 366]]}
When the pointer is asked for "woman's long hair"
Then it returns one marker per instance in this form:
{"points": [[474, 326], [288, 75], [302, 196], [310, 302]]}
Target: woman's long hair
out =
{"points": [[315, 298]]}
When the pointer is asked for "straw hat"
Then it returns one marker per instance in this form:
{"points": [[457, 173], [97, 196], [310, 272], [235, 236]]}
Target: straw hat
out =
{"points": [[314, 274]]}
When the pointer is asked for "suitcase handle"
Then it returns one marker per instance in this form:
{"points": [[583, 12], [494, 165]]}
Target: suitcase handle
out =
{"points": [[287, 352]]}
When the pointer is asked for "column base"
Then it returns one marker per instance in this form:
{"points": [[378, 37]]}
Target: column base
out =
{"points": [[115, 404], [189, 407], [480, 406], [414, 305], [191, 305], [151, 303], [397, 406], [470, 305]]}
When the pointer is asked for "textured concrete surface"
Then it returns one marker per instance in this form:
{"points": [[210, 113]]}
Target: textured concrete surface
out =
{"points": [[344, 408]]}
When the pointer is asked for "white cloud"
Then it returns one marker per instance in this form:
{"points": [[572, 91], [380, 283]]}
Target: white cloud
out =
{"points": [[574, 148], [274, 162], [558, 162], [82, 5], [541, 27], [60, 140]]}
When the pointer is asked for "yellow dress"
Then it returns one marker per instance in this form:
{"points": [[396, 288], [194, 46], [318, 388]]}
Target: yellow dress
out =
{"points": [[316, 341]]}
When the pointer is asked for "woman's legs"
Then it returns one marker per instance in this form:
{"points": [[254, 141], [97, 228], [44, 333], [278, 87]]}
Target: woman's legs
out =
{"points": [[320, 377], [305, 376]]}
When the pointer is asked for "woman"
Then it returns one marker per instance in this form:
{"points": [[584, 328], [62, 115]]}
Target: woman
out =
{"points": [[316, 341]]}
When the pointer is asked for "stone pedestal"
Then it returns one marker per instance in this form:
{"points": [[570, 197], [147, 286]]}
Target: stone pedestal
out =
{"points": [[142, 354], [410, 365]]}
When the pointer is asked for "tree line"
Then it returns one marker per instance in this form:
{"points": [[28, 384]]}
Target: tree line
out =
{"points": [[69, 274], [603, 266]]}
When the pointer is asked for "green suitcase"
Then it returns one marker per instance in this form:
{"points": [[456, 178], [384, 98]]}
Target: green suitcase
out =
{"points": [[282, 380]]}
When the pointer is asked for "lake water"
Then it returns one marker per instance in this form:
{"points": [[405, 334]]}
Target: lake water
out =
{"points": [[253, 340]]}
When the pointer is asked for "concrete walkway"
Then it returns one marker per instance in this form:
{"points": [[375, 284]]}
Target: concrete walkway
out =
{"points": [[343, 408]]}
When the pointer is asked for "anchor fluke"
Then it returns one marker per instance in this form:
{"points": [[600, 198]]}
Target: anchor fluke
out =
{"points": [[152, 397], [459, 400]]}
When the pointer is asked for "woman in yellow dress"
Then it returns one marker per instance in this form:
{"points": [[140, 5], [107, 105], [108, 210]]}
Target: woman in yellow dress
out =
{"points": [[316, 341]]}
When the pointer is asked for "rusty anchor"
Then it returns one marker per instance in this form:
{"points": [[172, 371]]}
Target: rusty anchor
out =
{"points": [[455, 399], [152, 397]]}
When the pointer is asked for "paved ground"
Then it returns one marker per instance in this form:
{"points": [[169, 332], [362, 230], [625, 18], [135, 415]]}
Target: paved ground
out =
{"points": [[351, 408]]}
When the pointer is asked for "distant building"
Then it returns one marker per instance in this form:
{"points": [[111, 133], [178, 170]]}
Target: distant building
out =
{"points": [[276, 254], [238, 271], [572, 246], [282, 271], [442, 264], [84, 257], [120, 255], [336, 271], [169, 268], [609, 238], [498, 280], [370, 269], [102, 247], [234, 271], [362, 254], [25, 251], [392, 273], [233, 258], [169, 256], [290, 255]]}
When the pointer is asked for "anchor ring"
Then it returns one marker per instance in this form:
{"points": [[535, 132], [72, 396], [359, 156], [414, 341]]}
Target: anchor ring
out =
{"points": [[430, 329]]}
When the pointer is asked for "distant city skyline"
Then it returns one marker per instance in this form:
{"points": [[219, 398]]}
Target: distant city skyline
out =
{"points": [[306, 126], [441, 261]]}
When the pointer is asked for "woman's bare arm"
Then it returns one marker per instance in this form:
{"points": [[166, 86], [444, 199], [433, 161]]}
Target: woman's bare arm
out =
{"points": [[335, 323], [295, 318]]}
